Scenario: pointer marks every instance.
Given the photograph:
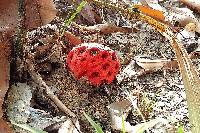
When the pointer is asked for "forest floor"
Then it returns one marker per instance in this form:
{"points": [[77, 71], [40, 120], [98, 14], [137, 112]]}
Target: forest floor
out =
{"points": [[159, 93]]}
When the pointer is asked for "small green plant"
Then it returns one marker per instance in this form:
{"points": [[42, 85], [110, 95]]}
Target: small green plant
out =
{"points": [[139, 128], [93, 123], [123, 125], [29, 128], [180, 128], [68, 21]]}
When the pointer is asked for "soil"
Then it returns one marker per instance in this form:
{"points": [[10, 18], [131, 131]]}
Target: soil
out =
{"points": [[159, 93]]}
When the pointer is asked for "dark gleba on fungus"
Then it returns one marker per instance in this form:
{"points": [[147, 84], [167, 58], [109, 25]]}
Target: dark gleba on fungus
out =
{"points": [[97, 63]]}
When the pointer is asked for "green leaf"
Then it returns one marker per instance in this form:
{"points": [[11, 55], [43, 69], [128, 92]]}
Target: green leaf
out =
{"points": [[180, 129], [123, 125], [29, 128], [140, 128], [78, 10], [94, 125]]}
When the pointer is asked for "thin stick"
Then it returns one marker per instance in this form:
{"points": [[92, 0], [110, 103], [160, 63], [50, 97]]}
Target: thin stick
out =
{"points": [[21, 31], [38, 79]]}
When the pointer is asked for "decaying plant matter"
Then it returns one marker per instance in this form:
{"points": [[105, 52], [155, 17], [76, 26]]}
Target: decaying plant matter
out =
{"points": [[92, 61], [189, 73], [5, 76], [34, 17]]}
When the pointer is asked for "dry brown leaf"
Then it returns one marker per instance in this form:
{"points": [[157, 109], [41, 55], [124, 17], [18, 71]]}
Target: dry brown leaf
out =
{"points": [[152, 3], [4, 128], [155, 64], [88, 14], [72, 39], [194, 4], [4, 79], [4, 71], [156, 14], [38, 13], [150, 64]]}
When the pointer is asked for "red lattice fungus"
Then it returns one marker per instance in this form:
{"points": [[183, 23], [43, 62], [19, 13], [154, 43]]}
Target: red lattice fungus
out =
{"points": [[97, 63]]}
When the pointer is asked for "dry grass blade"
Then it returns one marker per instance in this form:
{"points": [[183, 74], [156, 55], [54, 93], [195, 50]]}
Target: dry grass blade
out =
{"points": [[191, 84]]}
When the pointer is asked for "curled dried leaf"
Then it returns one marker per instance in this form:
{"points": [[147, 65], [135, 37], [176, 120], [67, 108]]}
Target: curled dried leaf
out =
{"points": [[150, 64]]}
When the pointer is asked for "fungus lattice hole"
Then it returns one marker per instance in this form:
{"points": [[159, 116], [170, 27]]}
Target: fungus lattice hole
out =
{"points": [[105, 66], [109, 73], [94, 51], [104, 55], [95, 74], [82, 50], [116, 66], [104, 81], [93, 61], [83, 59], [114, 56]]}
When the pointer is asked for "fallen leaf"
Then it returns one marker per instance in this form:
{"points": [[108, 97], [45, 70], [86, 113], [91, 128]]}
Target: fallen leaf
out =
{"points": [[4, 71], [156, 14], [191, 83], [194, 4], [38, 13], [183, 16], [118, 112], [88, 14], [72, 39], [4, 128], [152, 3], [70, 126], [147, 63]]}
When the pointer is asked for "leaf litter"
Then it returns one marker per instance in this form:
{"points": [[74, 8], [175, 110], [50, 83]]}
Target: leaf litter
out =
{"points": [[162, 87]]}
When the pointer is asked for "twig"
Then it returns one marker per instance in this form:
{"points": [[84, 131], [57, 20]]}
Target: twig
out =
{"points": [[38, 79], [104, 29], [21, 32]]}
